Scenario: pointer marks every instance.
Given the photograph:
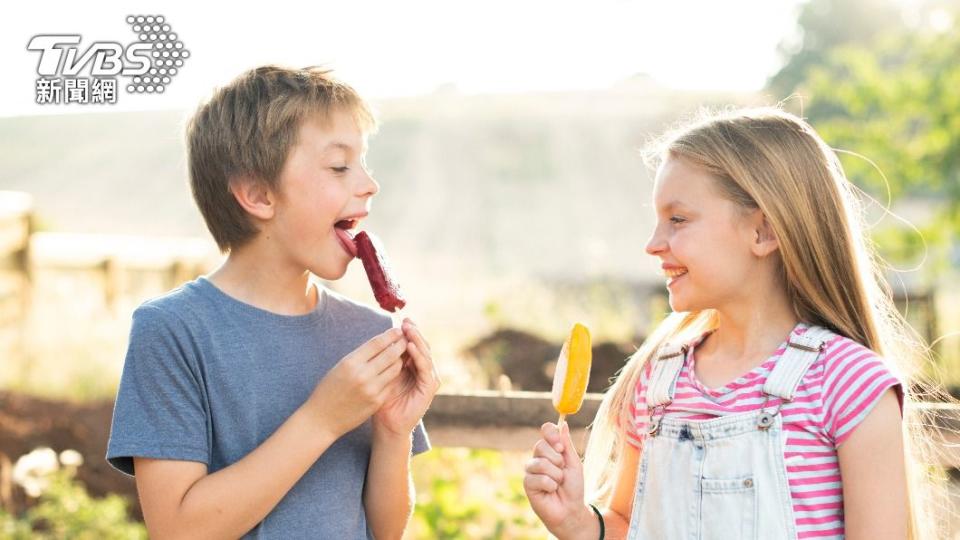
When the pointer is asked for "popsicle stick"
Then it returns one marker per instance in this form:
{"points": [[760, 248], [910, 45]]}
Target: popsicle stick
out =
{"points": [[562, 418]]}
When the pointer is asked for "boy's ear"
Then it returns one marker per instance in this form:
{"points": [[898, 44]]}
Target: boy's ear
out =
{"points": [[765, 239], [254, 196]]}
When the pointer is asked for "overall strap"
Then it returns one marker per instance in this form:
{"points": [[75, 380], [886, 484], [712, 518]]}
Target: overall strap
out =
{"points": [[666, 369], [802, 351]]}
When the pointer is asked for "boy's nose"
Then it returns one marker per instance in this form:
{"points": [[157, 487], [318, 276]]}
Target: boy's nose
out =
{"points": [[369, 187]]}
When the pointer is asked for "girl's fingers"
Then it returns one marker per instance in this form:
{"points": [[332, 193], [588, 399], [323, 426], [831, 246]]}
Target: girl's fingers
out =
{"points": [[543, 450], [539, 482], [570, 451], [546, 468], [551, 434]]}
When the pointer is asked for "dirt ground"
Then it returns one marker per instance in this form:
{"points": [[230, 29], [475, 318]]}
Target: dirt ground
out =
{"points": [[529, 360], [27, 423]]}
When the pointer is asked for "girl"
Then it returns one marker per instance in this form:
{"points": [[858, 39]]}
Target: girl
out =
{"points": [[767, 405]]}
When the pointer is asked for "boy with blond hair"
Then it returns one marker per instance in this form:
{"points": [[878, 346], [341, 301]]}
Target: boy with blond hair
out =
{"points": [[253, 402]]}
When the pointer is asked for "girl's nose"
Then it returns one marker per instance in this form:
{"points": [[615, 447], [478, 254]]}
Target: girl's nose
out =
{"points": [[655, 245]]}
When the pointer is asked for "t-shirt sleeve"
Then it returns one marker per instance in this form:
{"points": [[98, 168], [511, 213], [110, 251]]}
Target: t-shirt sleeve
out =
{"points": [[855, 378], [421, 441], [636, 425], [160, 409]]}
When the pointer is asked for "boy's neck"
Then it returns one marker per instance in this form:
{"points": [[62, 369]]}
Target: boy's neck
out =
{"points": [[252, 279]]}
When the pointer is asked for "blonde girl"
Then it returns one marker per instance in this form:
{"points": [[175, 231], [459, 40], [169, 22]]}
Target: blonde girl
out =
{"points": [[770, 404]]}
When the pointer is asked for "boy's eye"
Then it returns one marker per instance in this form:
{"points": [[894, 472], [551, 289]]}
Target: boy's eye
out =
{"points": [[677, 219], [339, 170]]}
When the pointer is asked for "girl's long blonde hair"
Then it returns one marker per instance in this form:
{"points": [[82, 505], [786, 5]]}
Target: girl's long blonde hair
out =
{"points": [[772, 160]]}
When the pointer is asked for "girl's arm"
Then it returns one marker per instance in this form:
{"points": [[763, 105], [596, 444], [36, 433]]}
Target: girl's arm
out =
{"points": [[617, 517], [873, 474]]}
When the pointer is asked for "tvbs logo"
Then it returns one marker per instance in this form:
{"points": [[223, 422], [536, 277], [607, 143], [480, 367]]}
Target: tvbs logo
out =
{"points": [[107, 57], [149, 64]]}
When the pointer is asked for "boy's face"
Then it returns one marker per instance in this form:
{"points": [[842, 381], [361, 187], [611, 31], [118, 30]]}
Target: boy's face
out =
{"points": [[701, 238], [324, 182]]}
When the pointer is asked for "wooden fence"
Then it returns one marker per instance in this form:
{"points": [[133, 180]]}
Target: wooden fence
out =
{"points": [[498, 420], [16, 228], [510, 421]]}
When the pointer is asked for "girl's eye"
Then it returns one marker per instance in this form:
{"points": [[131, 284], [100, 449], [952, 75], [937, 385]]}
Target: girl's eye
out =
{"points": [[677, 219], [340, 170]]}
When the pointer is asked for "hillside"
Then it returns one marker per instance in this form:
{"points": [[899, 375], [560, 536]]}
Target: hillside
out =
{"points": [[544, 184]]}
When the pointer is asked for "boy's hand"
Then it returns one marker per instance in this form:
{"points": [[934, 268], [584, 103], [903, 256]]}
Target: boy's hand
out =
{"points": [[359, 384], [412, 392]]}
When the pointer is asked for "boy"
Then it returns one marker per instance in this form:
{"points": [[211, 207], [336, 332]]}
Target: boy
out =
{"points": [[252, 402]]}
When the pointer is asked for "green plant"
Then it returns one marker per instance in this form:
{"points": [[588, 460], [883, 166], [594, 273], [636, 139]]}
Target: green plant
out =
{"points": [[64, 509], [467, 493]]}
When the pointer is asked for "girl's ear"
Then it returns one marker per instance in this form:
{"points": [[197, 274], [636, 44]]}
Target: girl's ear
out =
{"points": [[764, 238], [254, 196]]}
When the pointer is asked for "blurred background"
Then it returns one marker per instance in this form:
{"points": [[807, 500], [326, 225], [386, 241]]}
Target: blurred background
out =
{"points": [[514, 202]]}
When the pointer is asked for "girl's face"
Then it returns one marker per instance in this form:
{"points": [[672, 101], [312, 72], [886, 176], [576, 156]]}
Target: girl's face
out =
{"points": [[706, 243]]}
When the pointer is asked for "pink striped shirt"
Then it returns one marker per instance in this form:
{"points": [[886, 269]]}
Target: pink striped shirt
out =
{"points": [[834, 396]]}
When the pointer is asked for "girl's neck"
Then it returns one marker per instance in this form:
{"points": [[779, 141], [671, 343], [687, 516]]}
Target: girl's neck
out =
{"points": [[750, 331]]}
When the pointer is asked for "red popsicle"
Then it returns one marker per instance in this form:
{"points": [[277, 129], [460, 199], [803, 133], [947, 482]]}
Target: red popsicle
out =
{"points": [[370, 251]]}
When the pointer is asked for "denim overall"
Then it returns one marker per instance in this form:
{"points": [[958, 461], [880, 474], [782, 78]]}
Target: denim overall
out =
{"points": [[723, 478]]}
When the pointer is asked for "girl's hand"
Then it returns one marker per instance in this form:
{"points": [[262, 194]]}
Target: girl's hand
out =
{"points": [[554, 482]]}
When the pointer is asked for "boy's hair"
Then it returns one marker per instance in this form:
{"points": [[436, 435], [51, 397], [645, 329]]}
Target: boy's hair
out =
{"points": [[771, 160], [247, 129]]}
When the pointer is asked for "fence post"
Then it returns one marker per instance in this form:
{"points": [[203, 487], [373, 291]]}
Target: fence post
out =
{"points": [[111, 281]]}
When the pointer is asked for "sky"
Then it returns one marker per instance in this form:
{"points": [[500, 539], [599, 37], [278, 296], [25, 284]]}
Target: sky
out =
{"points": [[405, 48]]}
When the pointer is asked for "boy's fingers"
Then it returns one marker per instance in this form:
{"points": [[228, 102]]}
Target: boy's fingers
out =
{"points": [[388, 357], [413, 332], [390, 380], [377, 344], [422, 362]]}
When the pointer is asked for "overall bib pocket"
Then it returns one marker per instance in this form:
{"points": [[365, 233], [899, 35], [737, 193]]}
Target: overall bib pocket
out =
{"points": [[728, 508]]}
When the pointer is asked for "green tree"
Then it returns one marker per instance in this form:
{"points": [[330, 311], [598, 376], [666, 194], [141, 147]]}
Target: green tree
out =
{"points": [[896, 103], [825, 25]]}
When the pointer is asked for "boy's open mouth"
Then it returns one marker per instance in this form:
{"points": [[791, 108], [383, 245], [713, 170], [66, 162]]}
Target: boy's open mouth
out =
{"points": [[343, 230]]}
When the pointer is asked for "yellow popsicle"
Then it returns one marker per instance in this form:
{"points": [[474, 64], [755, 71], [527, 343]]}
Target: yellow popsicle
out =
{"points": [[573, 372]]}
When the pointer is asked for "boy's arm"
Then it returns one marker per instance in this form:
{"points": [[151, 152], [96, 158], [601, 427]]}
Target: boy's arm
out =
{"points": [[389, 495], [180, 499]]}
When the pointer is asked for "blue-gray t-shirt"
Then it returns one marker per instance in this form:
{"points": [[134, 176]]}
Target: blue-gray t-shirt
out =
{"points": [[209, 378]]}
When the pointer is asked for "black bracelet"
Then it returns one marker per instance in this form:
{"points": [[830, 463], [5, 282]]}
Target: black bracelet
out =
{"points": [[600, 519]]}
